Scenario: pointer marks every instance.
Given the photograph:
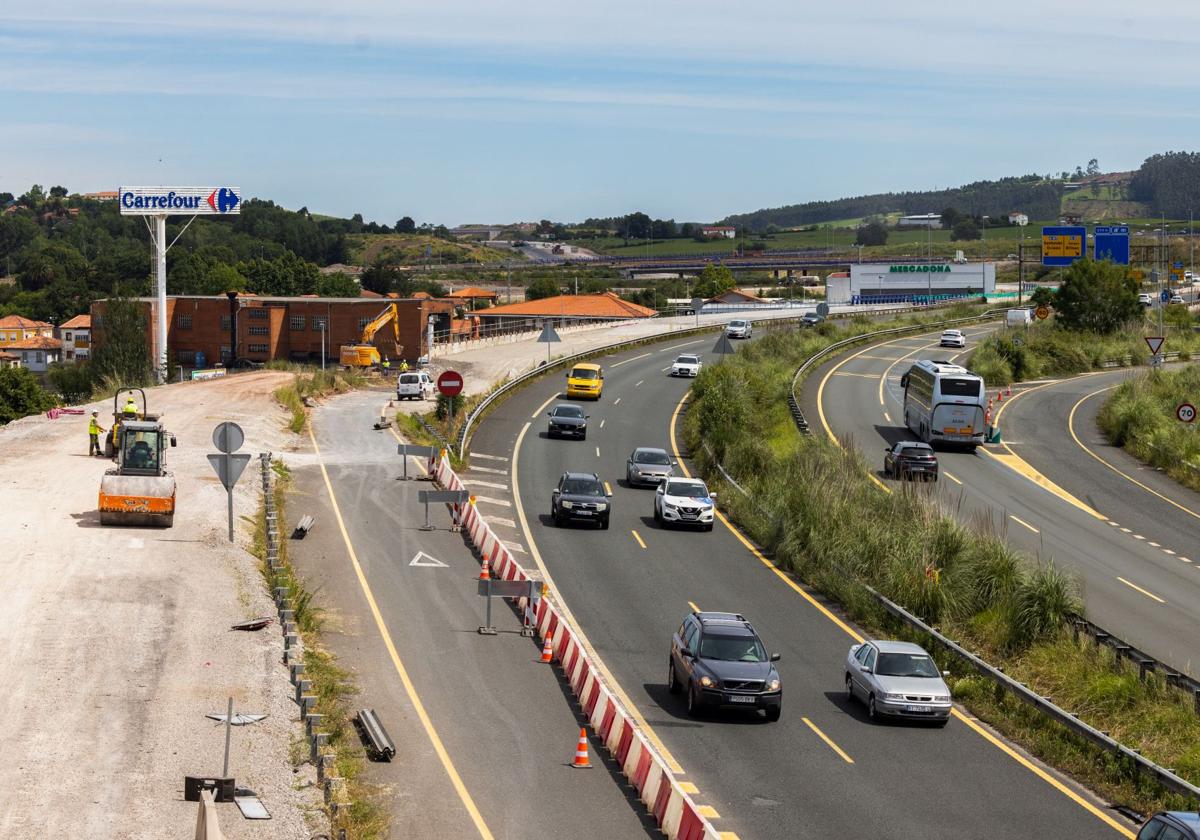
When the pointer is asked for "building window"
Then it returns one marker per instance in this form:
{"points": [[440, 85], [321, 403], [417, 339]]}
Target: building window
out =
{"points": [[318, 322], [185, 322], [97, 322], [258, 313], [258, 348], [259, 330], [226, 322], [40, 357], [297, 322], [185, 357], [67, 337], [70, 355]]}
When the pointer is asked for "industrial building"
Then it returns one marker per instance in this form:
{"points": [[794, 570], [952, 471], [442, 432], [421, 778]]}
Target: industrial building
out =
{"points": [[910, 282], [203, 331]]}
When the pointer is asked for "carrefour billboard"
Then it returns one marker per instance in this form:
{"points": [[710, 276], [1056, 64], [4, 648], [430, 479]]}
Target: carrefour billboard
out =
{"points": [[190, 201]]}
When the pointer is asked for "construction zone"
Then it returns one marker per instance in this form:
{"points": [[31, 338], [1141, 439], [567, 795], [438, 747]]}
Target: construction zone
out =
{"points": [[139, 490]]}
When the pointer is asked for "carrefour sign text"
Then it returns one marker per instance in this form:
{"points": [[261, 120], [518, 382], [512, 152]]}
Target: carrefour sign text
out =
{"points": [[192, 201]]}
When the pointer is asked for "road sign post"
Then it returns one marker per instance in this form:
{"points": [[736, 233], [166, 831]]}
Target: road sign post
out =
{"points": [[549, 336], [450, 385], [450, 497], [503, 589], [406, 450], [228, 437]]}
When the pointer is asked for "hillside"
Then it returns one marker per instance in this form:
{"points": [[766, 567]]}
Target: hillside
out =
{"points": [[420, 249]]}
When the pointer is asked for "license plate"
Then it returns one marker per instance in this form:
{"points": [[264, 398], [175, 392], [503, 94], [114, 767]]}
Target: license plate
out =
{"points": [[741, 698], [918, 709], [583, 513]]}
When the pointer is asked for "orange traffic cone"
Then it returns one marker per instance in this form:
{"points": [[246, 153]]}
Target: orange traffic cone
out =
{"points": [[581, 755], [987, 416], [485, 572], [1009, 394], [548, 650], [999, 396]]}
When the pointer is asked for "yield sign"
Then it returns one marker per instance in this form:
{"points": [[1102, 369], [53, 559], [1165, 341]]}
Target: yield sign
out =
{"points": [[1155, 343], [423, 559]]}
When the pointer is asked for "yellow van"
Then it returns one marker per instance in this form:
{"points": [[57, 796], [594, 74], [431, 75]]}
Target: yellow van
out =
{"points": [[585, 381]]}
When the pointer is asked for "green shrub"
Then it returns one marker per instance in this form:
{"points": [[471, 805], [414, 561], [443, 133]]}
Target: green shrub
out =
{"points": [[1139, 415]]}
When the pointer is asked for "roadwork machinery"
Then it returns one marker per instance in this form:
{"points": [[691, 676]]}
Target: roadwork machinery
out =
{"points": [[365, 354], [139, 490]]}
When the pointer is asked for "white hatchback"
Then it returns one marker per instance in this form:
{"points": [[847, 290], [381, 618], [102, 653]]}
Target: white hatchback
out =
{"points": [[415, 385], [953, 338], [687, 364]]}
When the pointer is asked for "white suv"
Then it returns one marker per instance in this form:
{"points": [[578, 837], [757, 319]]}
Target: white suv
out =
{"points": [[414, 385], [739, 329], [953, 338], [684, 501], [1145, 300]]}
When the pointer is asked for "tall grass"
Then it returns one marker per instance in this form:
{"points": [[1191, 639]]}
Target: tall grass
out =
{"points": [[1139, 415], [811, 506]]}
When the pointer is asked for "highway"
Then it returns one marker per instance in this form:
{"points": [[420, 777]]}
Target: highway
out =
{"points": [[1041, 490], [484, 731], [823, 770]]}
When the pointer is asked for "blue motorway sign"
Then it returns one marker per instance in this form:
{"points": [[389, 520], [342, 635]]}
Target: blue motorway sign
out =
{"points": [[1164, 296], [1062, 245], [1112, 243]]}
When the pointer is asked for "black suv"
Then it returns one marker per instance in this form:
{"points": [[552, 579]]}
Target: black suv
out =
{"points": [[567, 420], [910, 459], [719, 660], [580, 496]]}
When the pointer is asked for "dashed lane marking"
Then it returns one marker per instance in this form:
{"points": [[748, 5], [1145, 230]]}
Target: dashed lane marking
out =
{"points": [[1021, 521], [685, 344], [828, 741], [1145, 592], [627, 361], [597, 451], [608, 488], [475, 454], [848, 373], [617, 400], [488, 500], [538, 411], [639, 384], [489, 470], [695, 608], [639, 539], [887, 417], [948, 475], [475, 482], [602, 423]]}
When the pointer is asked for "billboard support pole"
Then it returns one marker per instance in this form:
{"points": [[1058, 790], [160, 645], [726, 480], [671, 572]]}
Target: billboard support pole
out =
{"points": [[160, 263]]}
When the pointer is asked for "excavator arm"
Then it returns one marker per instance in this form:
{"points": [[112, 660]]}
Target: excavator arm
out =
{"points": [[392, 313]]}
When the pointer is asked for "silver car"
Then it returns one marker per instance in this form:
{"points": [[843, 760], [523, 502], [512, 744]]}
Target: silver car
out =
{"points": [[648, 466], [897, 679]]}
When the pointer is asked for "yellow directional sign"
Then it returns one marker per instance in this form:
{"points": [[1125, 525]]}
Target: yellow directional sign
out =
{"points": [[1176, 273], [1062, 246]]}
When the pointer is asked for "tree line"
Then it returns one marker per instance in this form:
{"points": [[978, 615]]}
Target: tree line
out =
{"points": [[1169, 183]]}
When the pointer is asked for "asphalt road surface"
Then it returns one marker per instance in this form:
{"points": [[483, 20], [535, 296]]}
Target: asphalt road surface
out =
{"points": [[823, 770], [1097, 525]]}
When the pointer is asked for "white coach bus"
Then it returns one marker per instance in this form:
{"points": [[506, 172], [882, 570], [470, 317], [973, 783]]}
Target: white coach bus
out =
{"points": [[944, 403]]}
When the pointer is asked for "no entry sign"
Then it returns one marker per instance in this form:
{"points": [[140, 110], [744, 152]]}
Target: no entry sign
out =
{"points": [[450, 383]]}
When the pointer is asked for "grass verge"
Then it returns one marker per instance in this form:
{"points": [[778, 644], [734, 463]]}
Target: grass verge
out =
{"points": [[364, 817], [813, 508], [1139, 415], [319, 383]]}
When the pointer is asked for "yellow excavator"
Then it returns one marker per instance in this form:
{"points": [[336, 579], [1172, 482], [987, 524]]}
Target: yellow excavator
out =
{"points": [[365, 354], [139, 490]]}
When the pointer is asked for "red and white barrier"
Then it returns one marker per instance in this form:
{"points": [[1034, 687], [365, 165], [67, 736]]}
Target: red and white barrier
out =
{"points": [[673, 810]]}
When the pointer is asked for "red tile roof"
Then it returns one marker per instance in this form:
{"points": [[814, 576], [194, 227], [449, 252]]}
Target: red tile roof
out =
{"points": [[79, 322], [735, 293], [474, 292], [16, 322], [607, 305], [9, 357], [40, 342]]}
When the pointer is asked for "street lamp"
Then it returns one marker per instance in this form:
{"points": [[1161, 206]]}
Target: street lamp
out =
{"points": [[322, 344], [983, 265]]}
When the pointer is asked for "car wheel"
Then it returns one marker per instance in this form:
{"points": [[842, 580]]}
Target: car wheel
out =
{"points": [[693, 705], [583, 436], [673, 685], [773, 713], [871, 712], [849, 689], [555, 518], [604, 524], [657, 515]]}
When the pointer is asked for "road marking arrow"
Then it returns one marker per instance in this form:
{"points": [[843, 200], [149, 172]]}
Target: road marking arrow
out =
{"points": [[423, 559]]}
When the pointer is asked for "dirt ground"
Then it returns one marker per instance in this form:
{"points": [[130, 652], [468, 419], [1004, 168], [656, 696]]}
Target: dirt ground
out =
{"points": [[115, 642]]}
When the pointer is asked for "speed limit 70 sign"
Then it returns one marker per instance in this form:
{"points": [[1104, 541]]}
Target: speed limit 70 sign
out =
{"points": [[1186, 412]]}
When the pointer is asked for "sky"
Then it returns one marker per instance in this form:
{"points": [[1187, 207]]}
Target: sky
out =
{"points": [[463, 111]]}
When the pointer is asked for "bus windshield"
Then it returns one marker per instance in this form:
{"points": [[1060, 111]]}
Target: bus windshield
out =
{"points": [[961, 387]]}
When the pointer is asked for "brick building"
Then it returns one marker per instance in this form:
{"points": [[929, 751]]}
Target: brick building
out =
{"points": [[199, 328]]}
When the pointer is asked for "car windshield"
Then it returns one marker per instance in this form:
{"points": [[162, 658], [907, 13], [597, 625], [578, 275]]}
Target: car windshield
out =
{"points": [[691, 489], [732, 648], [737, 323], [568, 411], [906, 665], [582, 487], [408, 379], [585, 373], [651, 456], [916, 451], [687, 360], [961, 387]]}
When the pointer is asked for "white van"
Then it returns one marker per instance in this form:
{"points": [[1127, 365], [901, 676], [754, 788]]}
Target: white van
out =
{"points": [[739, 328], [414, 385], [1019, 317]]}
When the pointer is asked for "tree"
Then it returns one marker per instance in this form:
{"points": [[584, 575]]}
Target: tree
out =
{"points": [[542, 287], [122, 357], [950, 217], [1097, 297], [965, 229], [72, 381], [634, 226], [406, 225], [1093, 167], [21, 395], [1042, 296], [58, 192], [873, 233], [714, 280], [338, 285]]}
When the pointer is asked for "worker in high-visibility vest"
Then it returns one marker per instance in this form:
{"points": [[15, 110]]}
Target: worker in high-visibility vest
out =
{"points": [[130, 409], [403, 365], [94, 432]]}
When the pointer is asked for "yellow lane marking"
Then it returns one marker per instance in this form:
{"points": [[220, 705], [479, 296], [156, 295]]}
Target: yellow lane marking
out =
{"points": [[728, 835], [1044, 776], [692, 604], [538, 413], [951, 477], [887, 417], [409, 689], [1139, 589], [1075, 437], [597, 663], [708, 812], [689, 788], [1021, 467], [638, 537], [608, 488], [852, 633], [828, 741], [627, 361], [1021, 521], [863, 375]]}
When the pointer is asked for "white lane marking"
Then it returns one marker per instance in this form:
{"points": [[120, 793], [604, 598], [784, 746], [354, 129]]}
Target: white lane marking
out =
{"points": [[1114, 524], [1185, 560], [499, 520], [1168, 551], [1021, 521], [601, 424], [488, 470], [640, 381], [1156, 545], [952, 478], [1138, 537], [1126, 531], [490, 501], [597, 451], [137, 542], [627, 361], [888, 418], [667, 368], [685, 344], [475, 454], [617, 400], [1148, 594], [428, 561], [474, 482]]}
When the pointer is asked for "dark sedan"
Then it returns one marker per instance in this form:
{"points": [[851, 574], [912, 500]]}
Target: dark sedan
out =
{"points": [[567, 420], [910, 459]]}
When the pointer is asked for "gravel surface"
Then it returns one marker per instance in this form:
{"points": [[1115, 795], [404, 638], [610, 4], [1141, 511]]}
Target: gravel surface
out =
{"points": [[115, 642]]}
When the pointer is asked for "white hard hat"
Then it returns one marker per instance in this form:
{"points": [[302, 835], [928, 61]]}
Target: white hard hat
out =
{"points": [[94, 411]]}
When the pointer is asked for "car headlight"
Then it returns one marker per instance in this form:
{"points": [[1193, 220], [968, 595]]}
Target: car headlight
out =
{"points": [[635, 470], [893, 696], [568, 505], [773, 685], [707, 681], [601, 506], [668, 505], [941, 698]]}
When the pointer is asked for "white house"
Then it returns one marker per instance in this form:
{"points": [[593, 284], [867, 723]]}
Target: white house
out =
{"points": [[38, 353], [76, 338], [718, 231], [930, 220], [1015, 218]]}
